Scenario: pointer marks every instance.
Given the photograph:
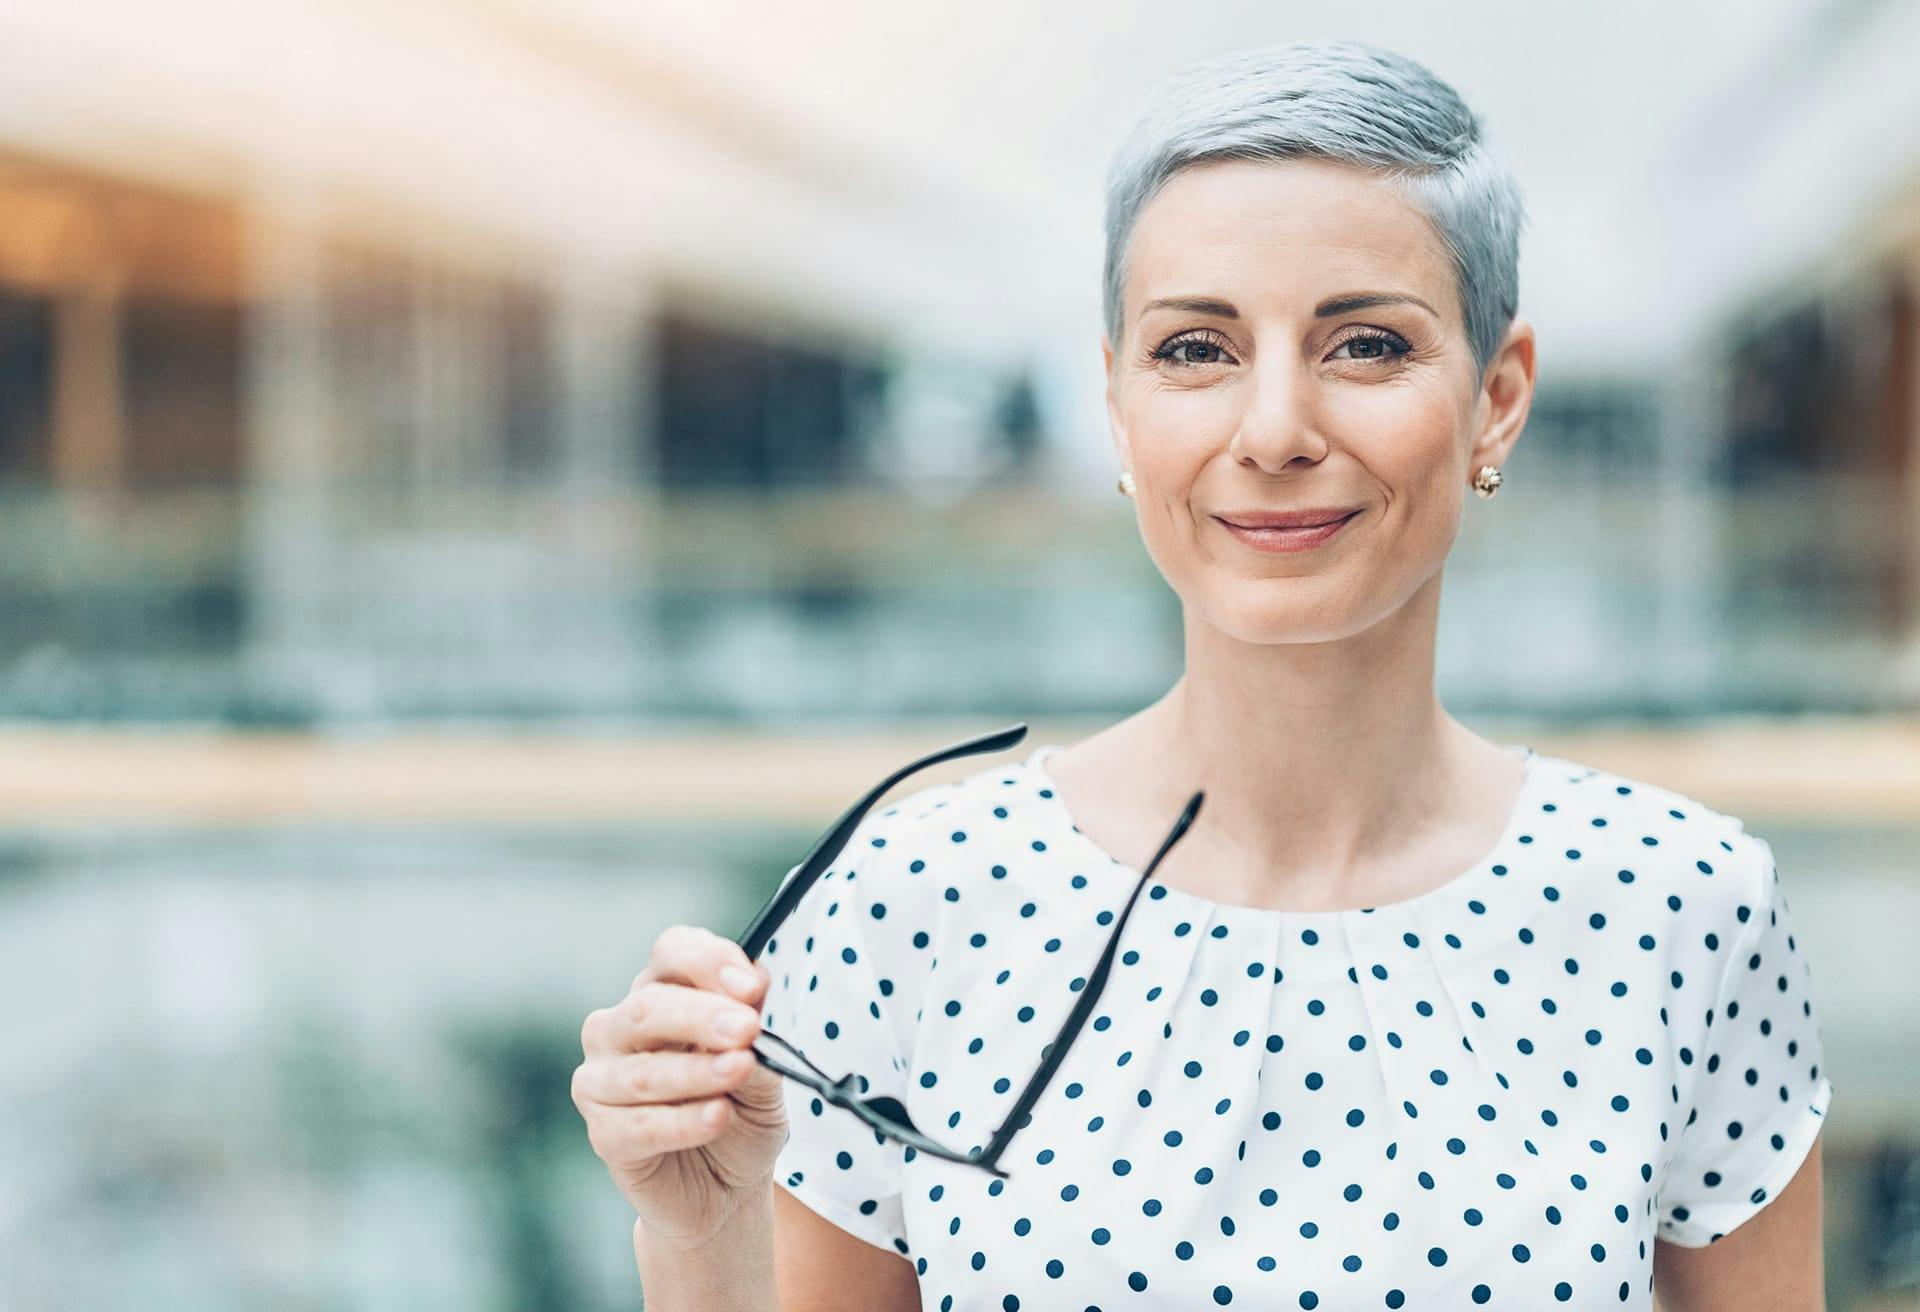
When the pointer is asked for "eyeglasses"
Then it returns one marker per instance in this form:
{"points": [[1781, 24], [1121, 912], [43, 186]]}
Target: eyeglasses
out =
{"points": [[888, 1116]]}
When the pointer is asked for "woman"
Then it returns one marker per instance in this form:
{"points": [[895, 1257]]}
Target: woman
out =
{"points": [[1408, 1018]]}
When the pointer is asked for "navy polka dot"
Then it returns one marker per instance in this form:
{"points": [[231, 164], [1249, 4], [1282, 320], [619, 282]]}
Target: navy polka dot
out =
{"points": [[1232, 1126]]}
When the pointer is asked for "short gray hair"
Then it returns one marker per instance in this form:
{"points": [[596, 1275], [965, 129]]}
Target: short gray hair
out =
{"points": [[1349, 102]]}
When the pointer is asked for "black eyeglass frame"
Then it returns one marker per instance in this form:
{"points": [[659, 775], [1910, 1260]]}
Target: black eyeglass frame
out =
{"points": [[885, 1115]]}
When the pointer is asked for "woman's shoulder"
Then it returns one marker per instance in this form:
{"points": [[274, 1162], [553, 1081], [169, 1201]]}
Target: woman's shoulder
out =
{"points": [[1631, 829], [935, 829], [930, 811], [906, 882]]}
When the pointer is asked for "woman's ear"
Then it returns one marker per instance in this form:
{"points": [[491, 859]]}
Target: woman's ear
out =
{"points": [[1505, 397]]}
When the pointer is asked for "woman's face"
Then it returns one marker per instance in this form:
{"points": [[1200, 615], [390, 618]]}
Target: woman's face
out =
{"points": [[1242, 384]]}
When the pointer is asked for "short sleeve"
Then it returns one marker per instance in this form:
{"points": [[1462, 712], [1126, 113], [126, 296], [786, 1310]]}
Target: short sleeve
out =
{"points": [[1762, 1095], [827, 997]]}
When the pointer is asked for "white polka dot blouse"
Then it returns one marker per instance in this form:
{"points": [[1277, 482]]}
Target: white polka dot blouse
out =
{"points": [[1499, 1092]]}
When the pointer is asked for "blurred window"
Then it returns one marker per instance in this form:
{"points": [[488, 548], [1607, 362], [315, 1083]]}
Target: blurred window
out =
{"points": [[26, 358], [738, 408], [180, 380]]}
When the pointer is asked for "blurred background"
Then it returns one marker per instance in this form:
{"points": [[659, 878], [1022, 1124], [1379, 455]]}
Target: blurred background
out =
{"points": [[484, 480]]}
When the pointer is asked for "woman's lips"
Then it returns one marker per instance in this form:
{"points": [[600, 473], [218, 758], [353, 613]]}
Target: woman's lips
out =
{"points": [[1286, 539]]}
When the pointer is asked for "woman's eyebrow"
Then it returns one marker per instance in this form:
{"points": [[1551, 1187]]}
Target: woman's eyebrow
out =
{"points": [[1361, 300], [1195, 304], [1331, 306]]}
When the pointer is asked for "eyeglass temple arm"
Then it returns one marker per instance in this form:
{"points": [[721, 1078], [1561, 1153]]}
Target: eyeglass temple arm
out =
{"points": [[803, 1058], [1057, 1052], [801, 878]]}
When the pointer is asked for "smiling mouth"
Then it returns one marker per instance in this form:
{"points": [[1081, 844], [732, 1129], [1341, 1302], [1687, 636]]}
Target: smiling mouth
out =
{"points": [[1306, 537], [1266, 528]]}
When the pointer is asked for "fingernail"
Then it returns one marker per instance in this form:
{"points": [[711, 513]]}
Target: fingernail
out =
{"points": [[732, 1024], [737, 981]]}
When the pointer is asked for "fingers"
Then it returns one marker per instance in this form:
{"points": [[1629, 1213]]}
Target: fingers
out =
{"points": [[677, 1017], [696, 956], [687, 987], [631, 1135], [663, 1065], [661, 1077]]}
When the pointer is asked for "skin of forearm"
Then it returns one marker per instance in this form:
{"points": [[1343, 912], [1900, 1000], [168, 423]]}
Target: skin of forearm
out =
{"points": [[730, 1270]]}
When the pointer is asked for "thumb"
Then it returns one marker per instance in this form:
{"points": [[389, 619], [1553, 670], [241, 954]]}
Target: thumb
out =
{"points": [[765, 1089]]}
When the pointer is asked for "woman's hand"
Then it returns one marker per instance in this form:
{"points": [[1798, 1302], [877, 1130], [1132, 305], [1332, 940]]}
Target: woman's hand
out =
{"points": [[685, 1134]]}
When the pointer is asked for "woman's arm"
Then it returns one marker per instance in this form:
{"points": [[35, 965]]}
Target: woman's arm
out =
{"points": [[774, 1254], [731, 1270], [1774, 1262], [822, 1268]]}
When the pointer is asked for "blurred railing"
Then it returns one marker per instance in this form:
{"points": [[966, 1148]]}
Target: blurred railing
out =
{"points": [[1572, 595]]}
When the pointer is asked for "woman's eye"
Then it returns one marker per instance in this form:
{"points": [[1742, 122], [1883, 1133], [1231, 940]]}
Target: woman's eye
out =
{"points": [[1373, 346], [1200, 352]]}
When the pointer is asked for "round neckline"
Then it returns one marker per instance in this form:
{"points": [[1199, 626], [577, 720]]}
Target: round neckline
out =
{"points": [[1505, 847]]}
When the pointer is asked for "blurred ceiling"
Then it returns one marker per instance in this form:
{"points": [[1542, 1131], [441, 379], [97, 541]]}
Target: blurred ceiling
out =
{"points": [[939, 165], [1629, 124]]}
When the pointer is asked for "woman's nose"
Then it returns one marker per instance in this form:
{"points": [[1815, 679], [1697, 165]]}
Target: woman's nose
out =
{"points": [[1279, 421]]}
